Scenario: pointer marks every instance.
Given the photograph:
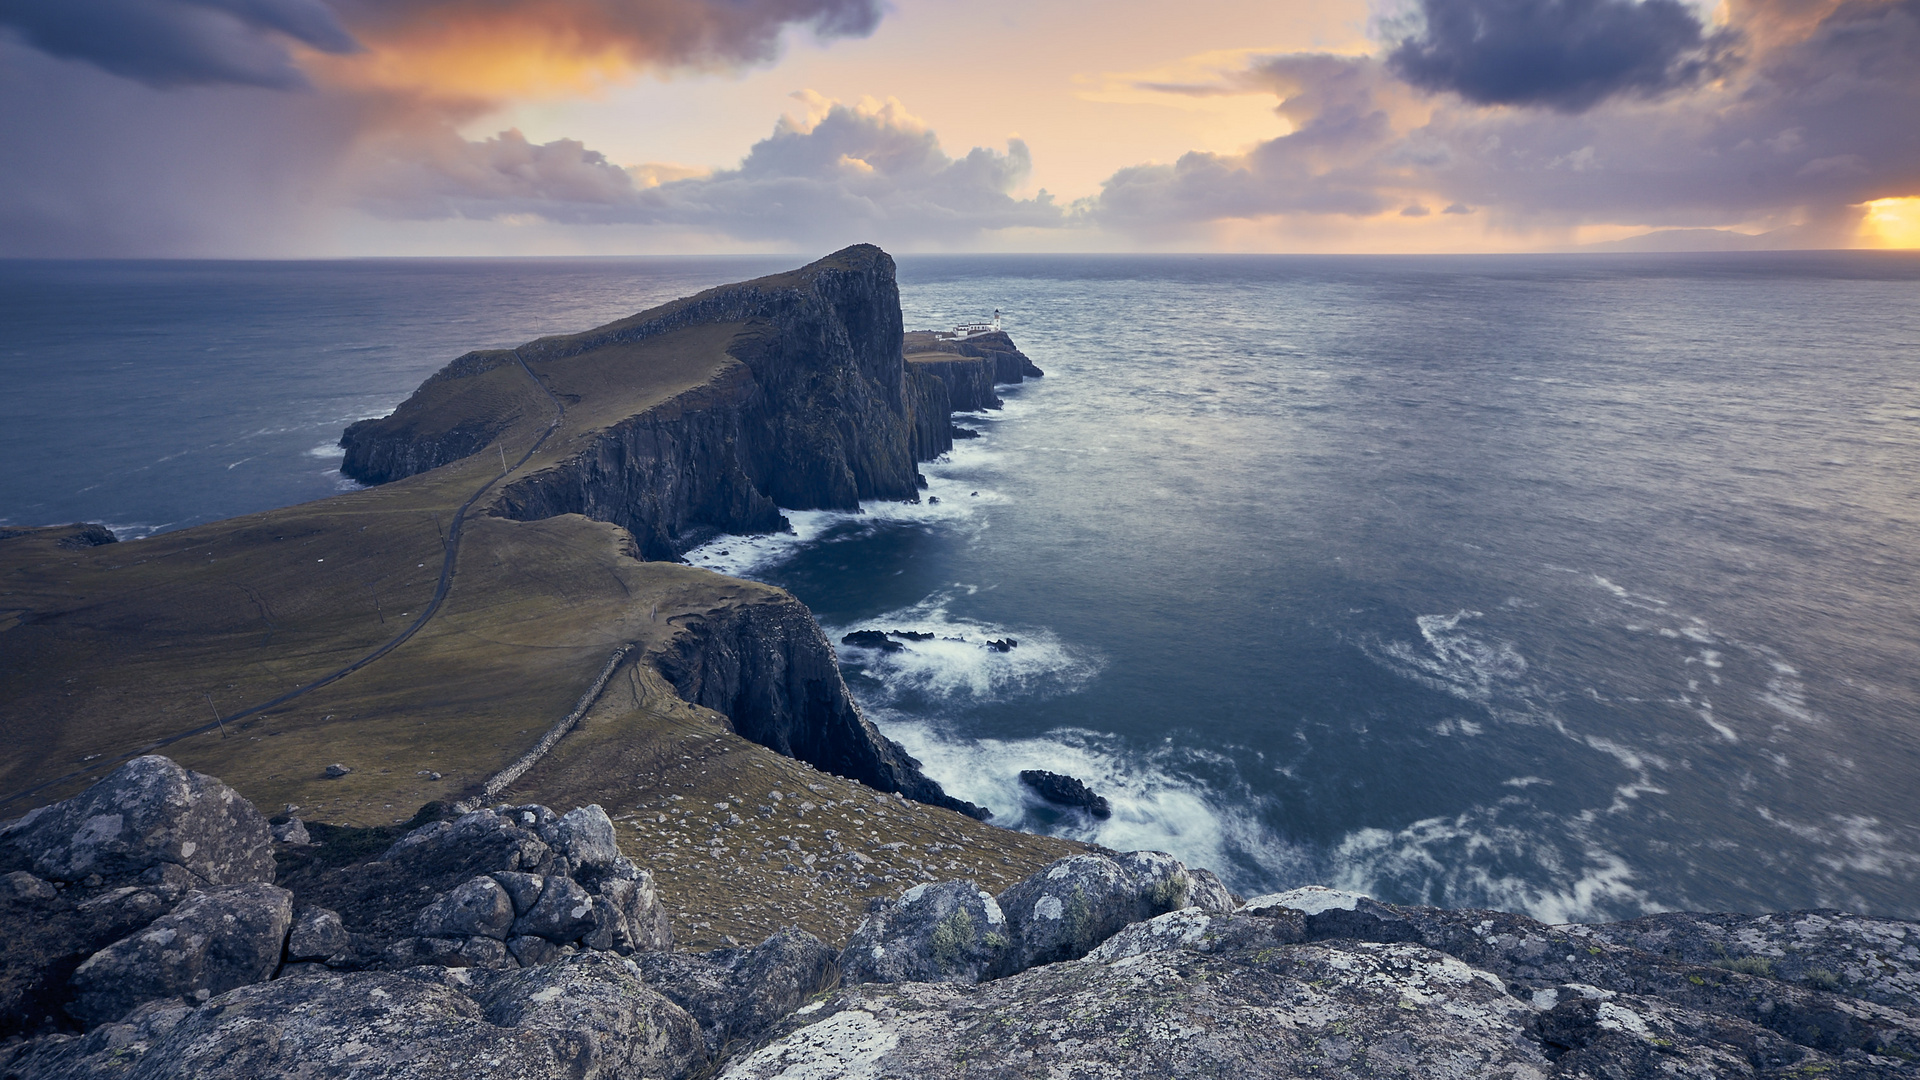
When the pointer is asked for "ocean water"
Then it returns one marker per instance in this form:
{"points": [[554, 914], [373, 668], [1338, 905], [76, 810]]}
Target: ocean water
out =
{"points": [[1581, 586]]}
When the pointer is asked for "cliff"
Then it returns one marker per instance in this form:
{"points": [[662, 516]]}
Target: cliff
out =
{"points": [[429, 633], [805, 404], [969, 367]]}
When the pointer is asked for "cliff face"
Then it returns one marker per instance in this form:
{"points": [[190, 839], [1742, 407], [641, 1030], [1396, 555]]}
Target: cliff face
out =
{"points": [[819, 419], [668, 475], [771, 671], [932, 410], [970, 367], [457, 412]]}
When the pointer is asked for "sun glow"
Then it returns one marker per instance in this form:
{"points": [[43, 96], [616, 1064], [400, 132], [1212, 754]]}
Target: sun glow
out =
{"points": [[1892, 223]]}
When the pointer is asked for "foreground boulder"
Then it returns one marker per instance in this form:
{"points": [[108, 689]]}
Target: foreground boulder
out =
{"points": [[737, 995], [954, 931], [213, 942], [79, 875], [588, 1018]]}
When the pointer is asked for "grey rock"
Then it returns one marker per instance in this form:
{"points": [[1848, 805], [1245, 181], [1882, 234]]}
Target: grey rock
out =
{"points": [[1363, 1009], [587, 1020], [291, 831], [528, 951], [585, 836], [147, 812], [469, 952], [950, 932], [214, 941], [564, 913], [1875, 959], [479, 907], [630, 1029], [738, 994], [336, 771], [317, 934], [525, 889], [1076, 903]]}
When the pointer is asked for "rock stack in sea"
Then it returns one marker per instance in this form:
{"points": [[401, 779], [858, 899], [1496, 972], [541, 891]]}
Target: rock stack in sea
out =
{"points": [[147, 931]]}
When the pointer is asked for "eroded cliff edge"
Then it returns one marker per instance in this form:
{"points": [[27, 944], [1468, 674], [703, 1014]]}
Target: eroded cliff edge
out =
{"points": [[792, 390]]}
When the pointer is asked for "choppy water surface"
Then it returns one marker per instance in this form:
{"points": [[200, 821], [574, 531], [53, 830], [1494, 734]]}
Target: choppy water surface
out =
{"points": [[1581, 586]]}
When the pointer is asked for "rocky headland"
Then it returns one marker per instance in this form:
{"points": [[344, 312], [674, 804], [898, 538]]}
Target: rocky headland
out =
{"points": [[740, 876]]}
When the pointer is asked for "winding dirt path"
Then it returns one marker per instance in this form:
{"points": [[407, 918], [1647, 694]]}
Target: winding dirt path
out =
{"points": [[445, 586]]}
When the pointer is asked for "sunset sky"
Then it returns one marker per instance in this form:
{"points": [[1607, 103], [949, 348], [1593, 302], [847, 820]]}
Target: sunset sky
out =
{"points": [[409, 127]]}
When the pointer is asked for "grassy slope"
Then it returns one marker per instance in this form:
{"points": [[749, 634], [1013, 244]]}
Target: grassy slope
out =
{"points": [[104, 650]]}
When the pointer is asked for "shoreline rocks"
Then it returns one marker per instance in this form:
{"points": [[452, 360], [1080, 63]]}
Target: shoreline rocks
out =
{"points": [[1063, 790]]}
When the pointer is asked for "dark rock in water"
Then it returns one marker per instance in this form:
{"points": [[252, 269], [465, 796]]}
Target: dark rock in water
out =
{"points": [[872, 639], [933, 500], [1003, 644], [1065, 791], [912, 635], [87, 536], [964, 433], [738, 994]]}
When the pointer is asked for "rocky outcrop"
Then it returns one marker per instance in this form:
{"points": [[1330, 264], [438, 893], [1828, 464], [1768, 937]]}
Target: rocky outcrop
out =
{"points": [[969, 367], [738, 995], [968, 379], [771, 671], [1319, 982], [83, 874], [1062, 790], [1124, 964]]}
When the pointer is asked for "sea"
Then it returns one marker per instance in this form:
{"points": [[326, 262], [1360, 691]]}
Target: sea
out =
{"points": [[1582, 586]]}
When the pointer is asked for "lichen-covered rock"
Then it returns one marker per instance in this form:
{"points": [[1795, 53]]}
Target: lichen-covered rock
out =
{"points": [[1076, 903], [1394, 1010], [632, 1031], [524, 871], [1875, 959], [587, 1019], [950, 932], [563, 913], [479, 907], [82, 874], [214, 941], [147, 812], [737, 995], [317, 935]]}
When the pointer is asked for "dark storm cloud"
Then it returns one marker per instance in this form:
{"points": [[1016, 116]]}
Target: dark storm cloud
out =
{"points": [[181, 42], [171, 43], [1819, 120], [872, 170], [1563, 54]]}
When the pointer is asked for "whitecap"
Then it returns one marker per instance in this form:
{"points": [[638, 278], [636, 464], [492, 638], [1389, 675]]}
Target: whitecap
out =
{"points": [[328, 450], [957, 664]]}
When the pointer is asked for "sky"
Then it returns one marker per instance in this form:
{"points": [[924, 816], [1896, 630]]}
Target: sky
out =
{"points": [[320, 128]]}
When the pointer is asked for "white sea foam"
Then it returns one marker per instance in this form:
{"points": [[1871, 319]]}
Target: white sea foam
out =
{"points": [[1154, 807], [1454, 660], [328, 450], [1470, 860], [949, 501], [957, 664]]}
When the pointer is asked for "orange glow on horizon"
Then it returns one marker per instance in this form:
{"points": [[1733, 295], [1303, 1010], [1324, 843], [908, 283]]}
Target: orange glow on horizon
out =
{"points": [[494, 61], [1892, 223]]}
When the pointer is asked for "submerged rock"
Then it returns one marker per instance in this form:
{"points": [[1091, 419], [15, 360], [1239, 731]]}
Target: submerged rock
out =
{"points": [[871, 639], [1063, 790]]}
